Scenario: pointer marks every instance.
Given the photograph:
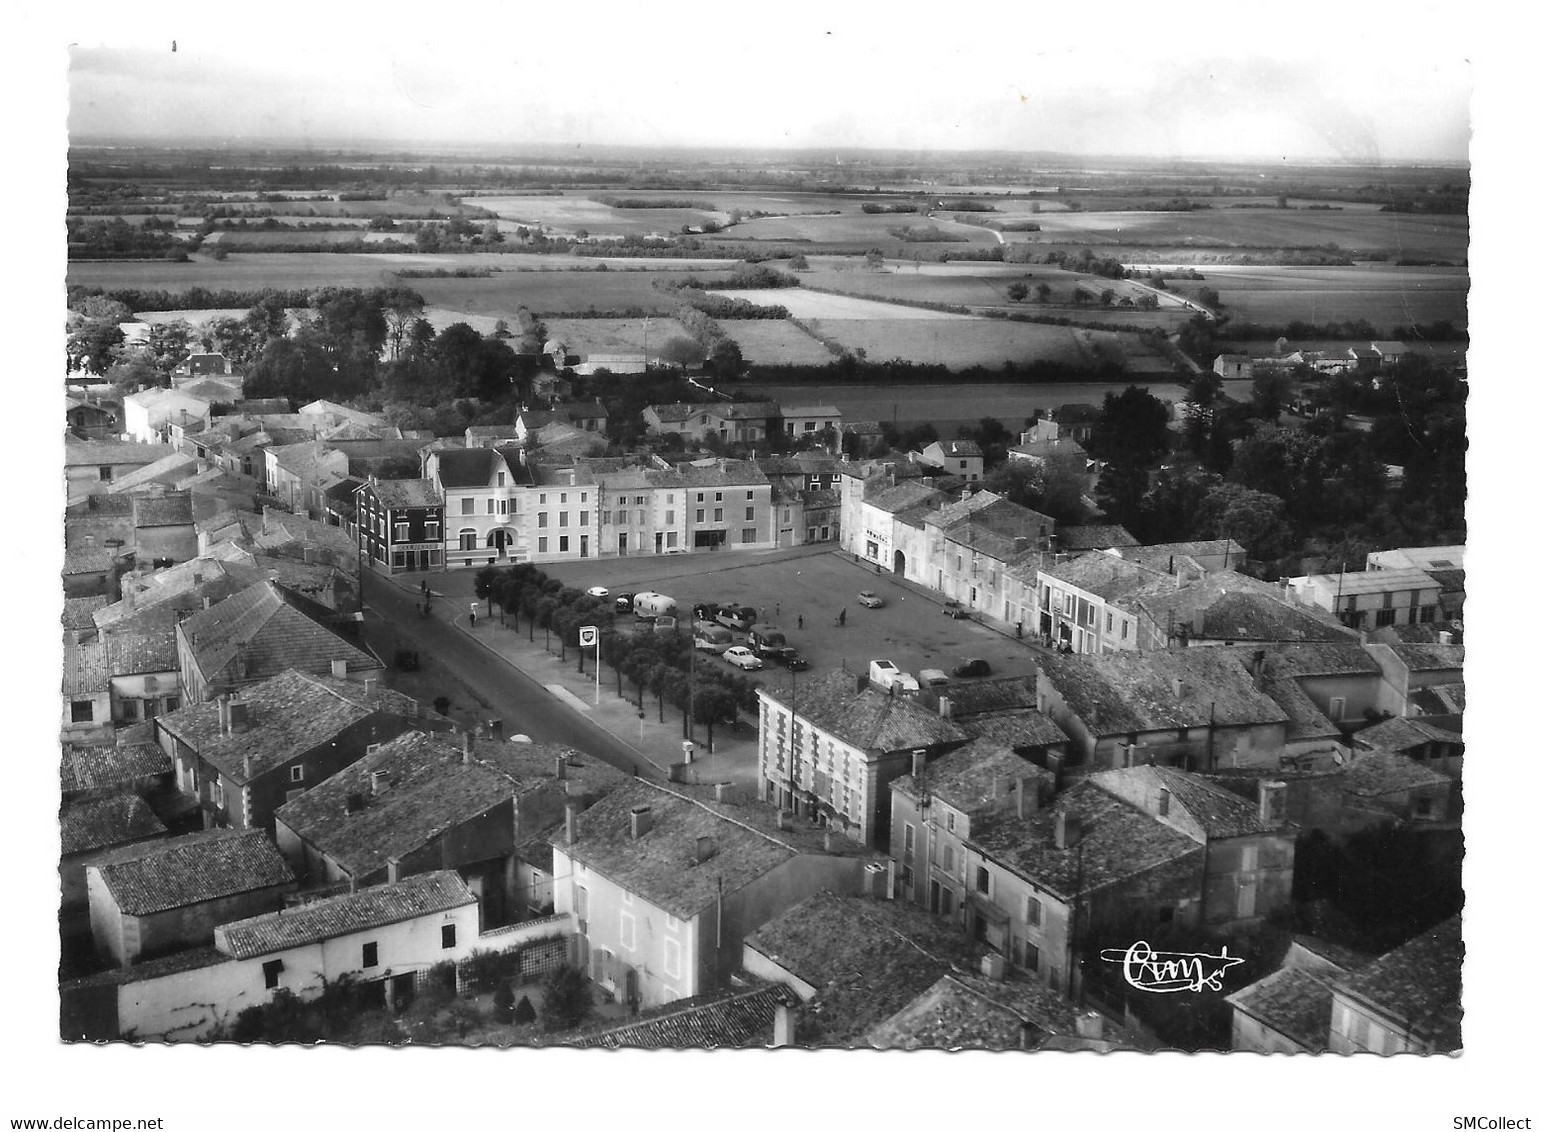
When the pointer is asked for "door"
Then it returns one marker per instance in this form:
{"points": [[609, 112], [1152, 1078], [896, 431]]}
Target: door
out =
{"points": [[422, 560], [936, 897], [583, 546], [621, 543]]}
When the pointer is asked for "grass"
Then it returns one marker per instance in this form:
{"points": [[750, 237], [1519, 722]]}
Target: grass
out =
{"points": [[963, 342], [1385, 296], [566, 214], [585, 336], [770, 342], [554, 292], [815, 304]]}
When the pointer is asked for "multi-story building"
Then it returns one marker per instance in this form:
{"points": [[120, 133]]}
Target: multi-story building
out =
{"points": [[401, 524], [1407, 1001], [1372, 599], [483, 523]]}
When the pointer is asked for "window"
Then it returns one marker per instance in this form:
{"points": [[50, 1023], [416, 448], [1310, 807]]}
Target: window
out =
{"points": [[270, 972], [668, 518], [403, 532], [700, 514], [467, 538], [670, 539], [562, 497], [561, 518], [982, 879], [1034, 913], [173, 703], [562, 544], [1054, 978], [717, 498], [297, 774], [104, 473], [540, 520], [543, 499], [700, 497], [604, 518], [716, 514], [502, 476], [80, 711], [1248, 857], [130, 709], [1428, 613], [468, 506], [748, 514], [1335, 707], [583, 497], [947, 859], [583, 518], [492, 508], [747, 535], [909, 842], [541, 543], [371, 955], [952, 819], [1423, 807], [671, 958], [946, 901], [447, 936], [628, 931], [1030, 957], [1385, 617]]}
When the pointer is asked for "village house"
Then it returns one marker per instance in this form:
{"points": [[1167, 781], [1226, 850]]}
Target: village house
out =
{"points": [[148, 414], [163, 528], [89, 419], [90, 465], [733, 1019], [1324, 689], [831, 745], [1384, 788], [1422, 742], [1197, 709], [258, 633], [961, 458], [1408, 670], [1233, 367], [1082, 606], [295, 472], [1407, 1001], [401, 524], [1223, 607], [421, 802], [91, 571], [808, 420], [969, 548], [242, 757], [200, 365], [1290, 1010], [961, 1011], [727, 505], [1044, 446], [481, 502], [169, 895], [666, 881], [88, 829], [1203, 554], [1395, 597]]}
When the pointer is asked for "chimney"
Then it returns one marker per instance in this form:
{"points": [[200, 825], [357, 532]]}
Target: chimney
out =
{"points": [[571, 823], [246, 764], [224, 715], [641, 821], [785, 1033], [465, 748], [371, 685], [561, 768], [994, 967], [377, 782], [207, 601], [1270, 803], [1444, 637], [236, 713], [706, 847], [944, 707], [129, 589], [917, 763], [1067, 830], [1027, 796], [875, 880], [340, 669], [1177, 687], [1088, 1025]]}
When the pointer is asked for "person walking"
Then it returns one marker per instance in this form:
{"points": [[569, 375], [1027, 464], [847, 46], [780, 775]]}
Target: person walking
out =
{"points": [[842, 619], [799, 620], [473, 618]]}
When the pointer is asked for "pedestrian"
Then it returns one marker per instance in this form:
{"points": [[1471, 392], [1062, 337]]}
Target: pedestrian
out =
{"points": [[799, 620], [842, 619], [473, 618], [425, 585], [778, 611]]}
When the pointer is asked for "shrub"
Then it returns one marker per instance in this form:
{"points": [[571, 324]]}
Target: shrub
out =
{"points": [[567, 998], [524, 1013]]}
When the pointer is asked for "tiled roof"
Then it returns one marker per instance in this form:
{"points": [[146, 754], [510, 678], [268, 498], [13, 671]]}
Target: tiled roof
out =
{"points": [[308, 459], [864, 958], [115, 452], [100, 823], [174, 964], [427, 894], [1094, 537], [1439, 699], [1358, 583], [963, 1011], [961, 448], [258, 406], [660, 866], [976, 776], [179, 871], [287, 715], [91, 768], [262, 628], [1228, 606], [1158, 554], [89, 560], [726, 473], [407, 493], [1014, 729], [1386, 772], [1316, 660], [744, 410], [1117, 693], [1403, 733], [678, 411], [1417, 986], [1428, 658], [1293, 1001], [1108, 577], [1062, 447], [741, 1020], [869, 719], [78, 611], [467, 467], [174, 509], [1118, 842], [906, 493], [1003, 693], [167, 468], [1216, 811], [184, 585]]}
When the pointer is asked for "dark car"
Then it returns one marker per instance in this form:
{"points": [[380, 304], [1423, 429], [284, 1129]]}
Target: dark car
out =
{"points": [[770, 644], [973, 666], [706, 610], [623, 602], [955, 610], [739, 617], [792, 662]]}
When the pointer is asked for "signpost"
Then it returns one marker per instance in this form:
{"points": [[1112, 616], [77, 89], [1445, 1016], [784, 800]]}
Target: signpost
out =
{"points": [[589, 635]]}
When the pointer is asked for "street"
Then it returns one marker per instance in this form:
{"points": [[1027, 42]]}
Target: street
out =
{"points": [[521, 703]]}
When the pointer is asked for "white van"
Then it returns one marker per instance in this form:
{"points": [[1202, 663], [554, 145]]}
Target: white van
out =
{"points": [[649, 606], [886, 674]]}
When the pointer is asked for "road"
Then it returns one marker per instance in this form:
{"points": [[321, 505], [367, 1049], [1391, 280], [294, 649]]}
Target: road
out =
{"points": [[522, 704]]}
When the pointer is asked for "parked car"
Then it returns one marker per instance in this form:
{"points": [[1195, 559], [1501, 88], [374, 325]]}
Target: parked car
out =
{"points": [[955, 610], [597, 591], [623, 602], [740, 657], [973, 666], [677, 550], [738, 617], [792, 662], [886, 674], [706, 610], [648, 605], [712, 638], [933, 678], [870, 600], [769, 644]]}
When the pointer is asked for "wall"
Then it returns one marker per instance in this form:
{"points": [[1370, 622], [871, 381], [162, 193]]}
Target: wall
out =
{"points": [[177, 543], [763, 967], [1251, 1036], [134, 701], [1271, 878], [270, 789], [193, 926]]}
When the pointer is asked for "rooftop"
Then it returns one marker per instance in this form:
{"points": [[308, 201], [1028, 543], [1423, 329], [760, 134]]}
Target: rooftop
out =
{"points": [[1107, 576], [1428, 658], [679, 411], [1014, 729], [867, 718], [1418, 985], [1403, 733], [1295, 1002], [661, 866], [1127, 693], [1358, 583], [287, 715], [79, 611], [1160, 554], [1386, 772], [1226, 606], [1000, 693], [96, 767], [961, 1011], [1213, 810], [179, 871], [1094, 537], [1117, 842], [400, 494], [174, 509], [736, 1020], [100, 823], [467, 467], [978, 775], [427, 894]]}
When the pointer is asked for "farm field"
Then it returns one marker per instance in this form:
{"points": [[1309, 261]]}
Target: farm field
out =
{"points": [[278, 238], [585, 336], [854, 228], [975, 289], [963, 342], [554, 292], [252, 271], [1385, 296], [1436, 237], [950, 405], [1451, 353], [775, 342], [567, 214], [816, 304]]}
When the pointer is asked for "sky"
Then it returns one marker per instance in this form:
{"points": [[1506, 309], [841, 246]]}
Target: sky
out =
{"points": [[1088, 81]]}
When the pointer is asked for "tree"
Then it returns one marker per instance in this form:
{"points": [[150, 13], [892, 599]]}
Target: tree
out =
{"points": [[1203, 397], [1173, 504], [94, 345], [681, 351], [711, 705], [1272, 388], [1253, 518], [874, 260], [524, 1013], [1133, 429], [568, 1000], [503, 1003], [799, 262], [1044, 291], [1017, 292]]}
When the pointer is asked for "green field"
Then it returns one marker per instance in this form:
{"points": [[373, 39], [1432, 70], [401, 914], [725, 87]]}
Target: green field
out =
{"points": [[585, 336], [298, 237], [958, 342], [566, 214], [252, 271], [555, 292], [773, 342], [1384, 296]]}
